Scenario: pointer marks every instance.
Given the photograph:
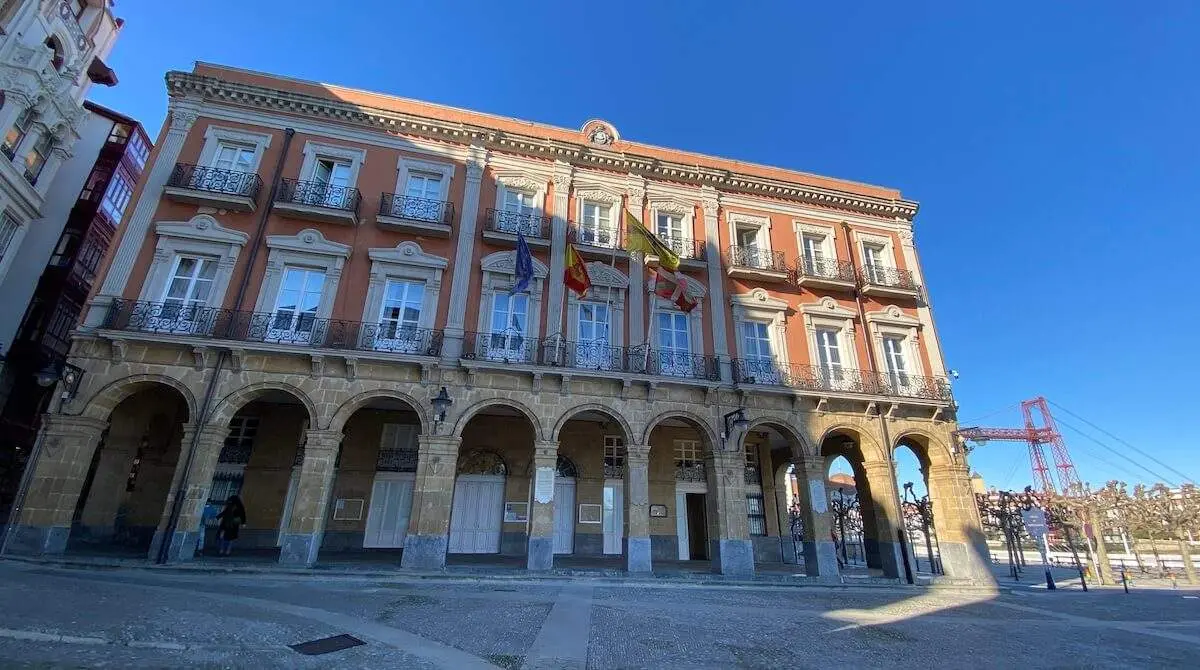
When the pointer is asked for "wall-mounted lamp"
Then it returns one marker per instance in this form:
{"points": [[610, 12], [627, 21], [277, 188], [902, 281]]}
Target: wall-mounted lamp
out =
{"points": [[69, 375], [736, 423], [441, 403]]}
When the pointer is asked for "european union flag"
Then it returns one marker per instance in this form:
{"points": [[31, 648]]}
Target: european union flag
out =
{"points": [[524, 270]]}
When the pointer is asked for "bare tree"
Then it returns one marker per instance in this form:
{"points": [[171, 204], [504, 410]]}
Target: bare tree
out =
{"points": [[1113, 504], [1179, 511], [1144, 519]]}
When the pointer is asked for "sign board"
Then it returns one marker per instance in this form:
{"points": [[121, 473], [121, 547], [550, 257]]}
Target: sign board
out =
{"points": [[543, 485], [1035, 522]]}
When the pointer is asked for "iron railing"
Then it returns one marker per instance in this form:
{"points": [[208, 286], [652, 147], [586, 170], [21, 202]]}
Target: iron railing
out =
{"points": [[878, 275], [605, 237], [650, 361], [9, 151], [756, 258], [416, 209], [687, 471], [278, 328], [215, 180], [839, 380], [509, 347], [319, 194], [826, 268], [557, 352], [684, 247], [504, 221]]}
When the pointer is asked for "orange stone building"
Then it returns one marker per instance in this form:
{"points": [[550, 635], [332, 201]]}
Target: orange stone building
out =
{"points": [[308, 266]]}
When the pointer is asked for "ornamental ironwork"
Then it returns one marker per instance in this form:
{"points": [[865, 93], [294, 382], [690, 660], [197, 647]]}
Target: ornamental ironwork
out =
{"points": [[416, 209], [529, 224], [826, 268], [756, 258], [396, 460], [690, 472], [753, 475], [878, 275], [838, 379], [668, 363], [565, 468], [481, 462], [603, 236], [319, 194], [684, 247], [510, 346], [215, 180]]}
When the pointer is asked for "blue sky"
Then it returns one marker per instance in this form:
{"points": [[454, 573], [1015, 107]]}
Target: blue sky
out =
{"points": [[1054, 148]]}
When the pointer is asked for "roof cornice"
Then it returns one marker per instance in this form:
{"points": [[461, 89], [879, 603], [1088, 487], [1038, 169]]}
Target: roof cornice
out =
{"points": [[580, 154]]}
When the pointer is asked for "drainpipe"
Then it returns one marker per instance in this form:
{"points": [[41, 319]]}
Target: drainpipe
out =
{"points": [[887, 438], [239, 298]]}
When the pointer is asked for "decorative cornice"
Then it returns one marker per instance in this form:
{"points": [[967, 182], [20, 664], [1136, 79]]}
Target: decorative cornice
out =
{"points": [[506, 262], [602, 274], [580, 154]]}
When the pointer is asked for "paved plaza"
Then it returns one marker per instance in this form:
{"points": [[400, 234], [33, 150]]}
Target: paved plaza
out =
{"points": [[60, 617]]}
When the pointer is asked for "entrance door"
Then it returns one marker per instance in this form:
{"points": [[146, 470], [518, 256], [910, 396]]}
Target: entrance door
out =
{"points": [[614, 516], [391, 505], [564, 515], [697, 520], [285, 519], [476, 514]]}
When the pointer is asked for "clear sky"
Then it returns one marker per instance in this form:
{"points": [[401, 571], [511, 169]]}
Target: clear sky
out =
{"points": [[1054, 148]]}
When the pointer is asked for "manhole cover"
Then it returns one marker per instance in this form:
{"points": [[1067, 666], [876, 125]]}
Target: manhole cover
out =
{"points": [[327, 645]]}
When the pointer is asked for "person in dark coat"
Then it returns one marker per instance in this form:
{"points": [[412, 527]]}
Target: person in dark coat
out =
{"points": [[229, 521]]}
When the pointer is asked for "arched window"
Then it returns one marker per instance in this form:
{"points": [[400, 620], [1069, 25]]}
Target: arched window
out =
{"points": [[53, 44], [564, 468]]}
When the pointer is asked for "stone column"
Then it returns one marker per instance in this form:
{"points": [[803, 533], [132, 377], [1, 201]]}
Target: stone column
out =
{"points": [[540, 553], [635, 195], [184, 538], [960, 540], [183, 113], [44, 518], [107, 491], [302, 541], [558, 248], [460, 286], [433, 494], [637, 489], [732, 550], [888, 521], [820, 552], [718, 305]]}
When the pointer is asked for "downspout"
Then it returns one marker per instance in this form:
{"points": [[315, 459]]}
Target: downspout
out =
{"points": [[887, 438], [239, 298]]}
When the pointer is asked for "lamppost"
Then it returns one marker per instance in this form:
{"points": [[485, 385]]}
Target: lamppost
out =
{"points": [[440, 403], [736, 423]]}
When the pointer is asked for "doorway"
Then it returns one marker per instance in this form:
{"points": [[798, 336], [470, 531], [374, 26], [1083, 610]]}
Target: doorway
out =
{"points": [[614, 516], [388, 515], [697, 527], [476, 514]]}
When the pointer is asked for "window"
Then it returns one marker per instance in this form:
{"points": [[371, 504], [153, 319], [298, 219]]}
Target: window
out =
{"points": [[35, 160], [893, 354], [509, 322], [759, 358], [424, 185], [296, 305], [64, 249], [116, 198], [16, 134], [397, 448], [234, 157], [755, 253], [873, 255], [119, 133], [240, 440], [519, 202], [138, 150], [688, 454], [756, 515], [814, 254], [829, 355], [97, 181], [400, 314], [189, 286], [9, 226], [56, 49], [596, 227], [58, 330], [614, 456], [670, 226], [674, 344], [593, 349]]}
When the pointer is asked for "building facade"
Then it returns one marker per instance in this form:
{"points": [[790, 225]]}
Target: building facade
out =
{"points": [[308, 266], [52, 275]]}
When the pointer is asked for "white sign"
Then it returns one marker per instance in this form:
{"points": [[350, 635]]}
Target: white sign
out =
{"points": [[1035, 522], [816, 496], [543, 485]]}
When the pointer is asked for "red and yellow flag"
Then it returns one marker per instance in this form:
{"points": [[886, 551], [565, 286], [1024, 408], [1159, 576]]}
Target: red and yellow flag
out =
{"points": [[575, 276], [672, 287]]}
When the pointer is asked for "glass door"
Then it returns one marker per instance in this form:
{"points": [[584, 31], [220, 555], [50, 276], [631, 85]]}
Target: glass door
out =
{"points": [[332, 180], [399, 317], [760, 361], [509, 316], [829, 358], [674, 344], [185, 300], [295, 314], [422, 199], [593, 348], [897, 368]]}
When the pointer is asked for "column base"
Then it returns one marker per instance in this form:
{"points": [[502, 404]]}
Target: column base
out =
{"points": [[787, 548], [540, 554], [424, 552], [299, 549], [820, 559], [891, 559], [961, 561], [734, 558], [637, 555], [452, 345], [38, 540], [182, 547]]}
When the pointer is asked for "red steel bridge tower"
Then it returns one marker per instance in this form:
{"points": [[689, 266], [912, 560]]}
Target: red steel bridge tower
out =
{"points": [[1036, 436]]}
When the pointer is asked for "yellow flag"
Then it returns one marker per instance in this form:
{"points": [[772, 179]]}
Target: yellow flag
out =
{"points": [[638, 238]]}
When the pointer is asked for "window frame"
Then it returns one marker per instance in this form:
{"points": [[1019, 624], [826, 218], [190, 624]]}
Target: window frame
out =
{"points": [[831, 315], [828, 244], [687, 220], [886, 249], [202, 235], [404, 262], [215, 135], [759, 222], [759, 306], [107, 203], [406, 166], [499, 276], [891, 322], [309, 249], [609, 286], [23, 123]]}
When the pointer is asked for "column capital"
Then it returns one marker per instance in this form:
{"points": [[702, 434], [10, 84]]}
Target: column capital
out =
{"points": [[545, 449], [812, 466], [322, 439], [438, 444], [60, 424], [477, 160], [183, 113], [638, 452]]}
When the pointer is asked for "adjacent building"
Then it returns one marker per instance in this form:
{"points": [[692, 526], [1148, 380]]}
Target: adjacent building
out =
{"points": [[311, 305]]}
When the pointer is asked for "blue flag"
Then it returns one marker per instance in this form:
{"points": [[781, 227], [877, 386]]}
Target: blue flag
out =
{"points": [[524, 270]]}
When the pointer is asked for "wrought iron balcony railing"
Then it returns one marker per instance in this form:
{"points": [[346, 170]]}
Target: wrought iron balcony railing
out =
{"points": [[689, 471], [826, 268], [756, 258], [665, 363], [529, 224], [839, 380], [319, 194], [215, 180], [557, 352], [275, 328], [605, 237], [684, 247], [507, 347], [878, 275], [416, 209]]}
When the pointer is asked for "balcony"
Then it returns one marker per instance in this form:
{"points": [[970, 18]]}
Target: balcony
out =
{"points": [[553, 352], [878, 280], [505, 348], [213, 187], [756, 263], [166, 320], [318, 201], [596, 241], [415, 215], [502, 226], [821, 380], [826, 273], [691, 252]]}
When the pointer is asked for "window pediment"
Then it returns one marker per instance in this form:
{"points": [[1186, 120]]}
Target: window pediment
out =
{"points": [[309, 241], [893, 316], [506, 262], [758, 299], [202, 227], [407, 253], [521, 182], [828, 308], [602, 274], [671, 206]]}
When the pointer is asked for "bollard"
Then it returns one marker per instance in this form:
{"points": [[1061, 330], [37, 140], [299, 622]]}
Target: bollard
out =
{"points": [[1125, 580]]}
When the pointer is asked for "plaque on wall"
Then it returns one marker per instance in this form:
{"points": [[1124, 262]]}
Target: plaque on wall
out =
{"points": [[348, 509], [516, 512], [591, 513], [658, 511]]}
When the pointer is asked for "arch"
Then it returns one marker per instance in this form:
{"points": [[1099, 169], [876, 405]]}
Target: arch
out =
{"points": [[795, 436], [700, 424], [481, 462], [565, 467], [224, 410], [59, 54], [928, 448], [593, 407], [348, 408], [866, 443], [101, 405], [470, 412]]}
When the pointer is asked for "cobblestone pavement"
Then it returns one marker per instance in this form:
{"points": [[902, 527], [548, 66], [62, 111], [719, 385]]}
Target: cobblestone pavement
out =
{"points": [[57, 617]]}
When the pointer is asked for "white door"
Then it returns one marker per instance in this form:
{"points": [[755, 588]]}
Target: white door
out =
{"points": [[614, 516], [391, 505], [681, 524], [334, 177], [400, 316], [289, 500], [564, 515], [476, 514], [186, 296]]}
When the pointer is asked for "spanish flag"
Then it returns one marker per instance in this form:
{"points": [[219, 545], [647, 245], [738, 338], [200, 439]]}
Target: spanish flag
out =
{"points": [[641, 239], [575, 276]]}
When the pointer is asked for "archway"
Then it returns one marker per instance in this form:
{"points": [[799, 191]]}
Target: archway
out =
{"points": [[130, 471], [842, 488], [874, 497], [773, 506], [594, 439], [684, 510]]}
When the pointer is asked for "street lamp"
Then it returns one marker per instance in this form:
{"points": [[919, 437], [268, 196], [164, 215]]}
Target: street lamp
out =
{"points": [[441, 403], [736, 423]]}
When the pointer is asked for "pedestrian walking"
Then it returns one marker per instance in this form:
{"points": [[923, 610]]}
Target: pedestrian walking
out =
{"points": [[230, 520]]}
